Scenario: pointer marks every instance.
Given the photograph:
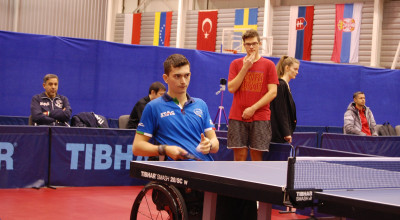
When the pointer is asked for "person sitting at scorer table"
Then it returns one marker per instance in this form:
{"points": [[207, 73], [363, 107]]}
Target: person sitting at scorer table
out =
{"points": [[156, 90], [49, 107]]}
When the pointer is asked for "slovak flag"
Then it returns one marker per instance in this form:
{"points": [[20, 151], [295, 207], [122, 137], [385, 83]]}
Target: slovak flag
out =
{"points": [[300, 32], [347, 33], [162, 28]]}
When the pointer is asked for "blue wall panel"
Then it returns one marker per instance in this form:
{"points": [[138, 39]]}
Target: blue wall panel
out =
{"points": [[24, 156], [109, 78]]}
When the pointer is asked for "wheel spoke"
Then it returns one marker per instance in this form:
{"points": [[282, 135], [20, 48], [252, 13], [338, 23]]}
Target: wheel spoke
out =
{"points": [[167, 198]]}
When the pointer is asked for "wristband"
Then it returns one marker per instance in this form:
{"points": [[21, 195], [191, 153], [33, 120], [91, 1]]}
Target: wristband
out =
{"points": [[161, 150]]}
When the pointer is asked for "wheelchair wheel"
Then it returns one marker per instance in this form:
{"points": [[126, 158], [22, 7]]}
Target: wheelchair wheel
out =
{"points": [[159, 201]]}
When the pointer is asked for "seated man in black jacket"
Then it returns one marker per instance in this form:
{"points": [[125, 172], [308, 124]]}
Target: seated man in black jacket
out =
{"points": [[49, 107], [156, 90]]}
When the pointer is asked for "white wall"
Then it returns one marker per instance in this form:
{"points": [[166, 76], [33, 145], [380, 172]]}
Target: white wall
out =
{"points": [[151, 5], [172, 5], [168, 5], [218, 4], [129, 6], [162, 5], [72, 18]]}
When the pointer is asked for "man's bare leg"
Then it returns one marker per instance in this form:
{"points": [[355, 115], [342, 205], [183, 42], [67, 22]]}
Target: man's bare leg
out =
{"points": [[240, 154], [256, 155]]}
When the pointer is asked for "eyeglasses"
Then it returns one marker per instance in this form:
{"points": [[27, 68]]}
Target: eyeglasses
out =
{"points": [[251, 44]]}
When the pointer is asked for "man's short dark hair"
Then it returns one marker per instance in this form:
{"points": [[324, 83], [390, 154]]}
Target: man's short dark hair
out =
{"points": [[174, 61], [250, 34], [157, 86], [356, 94], [49, 76]]}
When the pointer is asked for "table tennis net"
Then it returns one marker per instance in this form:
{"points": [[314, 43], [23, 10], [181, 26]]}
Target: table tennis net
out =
{"points": [[344, 173]]}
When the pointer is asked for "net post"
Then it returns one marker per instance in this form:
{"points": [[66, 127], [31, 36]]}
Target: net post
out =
{"points": [[290, 173], [289, 182]]}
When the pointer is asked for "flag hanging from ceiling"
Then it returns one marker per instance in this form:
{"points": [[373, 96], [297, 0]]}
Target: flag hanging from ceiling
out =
{"points": [[127, 33], [300, 32], [137, 22], [347, 33], [246, 18], [162, 28], [207, 30]]}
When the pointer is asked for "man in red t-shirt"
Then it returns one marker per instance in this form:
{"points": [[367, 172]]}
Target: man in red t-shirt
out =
{"points": [[253, 81]]}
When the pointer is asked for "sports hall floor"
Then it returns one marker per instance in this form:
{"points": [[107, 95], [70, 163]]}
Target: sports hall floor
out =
{"points": [[66, 203]]}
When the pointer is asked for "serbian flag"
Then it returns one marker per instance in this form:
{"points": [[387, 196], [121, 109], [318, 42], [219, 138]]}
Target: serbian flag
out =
{"points": [[137, 22], [300, 32], [207, 30], [347, 33], [162, 28]]}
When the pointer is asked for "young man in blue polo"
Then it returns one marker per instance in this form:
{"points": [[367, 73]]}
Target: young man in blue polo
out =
{"points": [[179, 123]]}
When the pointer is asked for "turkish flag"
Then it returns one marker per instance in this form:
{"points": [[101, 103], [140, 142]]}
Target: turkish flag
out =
{"points": [[207, 30]]}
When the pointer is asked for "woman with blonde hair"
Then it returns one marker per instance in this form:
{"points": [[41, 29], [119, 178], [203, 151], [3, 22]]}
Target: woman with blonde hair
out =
{"points": [[283, 108]]}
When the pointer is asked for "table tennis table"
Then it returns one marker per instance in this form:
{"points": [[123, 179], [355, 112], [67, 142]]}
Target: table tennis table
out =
{"points": [[268, 182]]}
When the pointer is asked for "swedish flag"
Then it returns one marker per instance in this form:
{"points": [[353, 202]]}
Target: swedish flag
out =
{"points": [[246, 18]]}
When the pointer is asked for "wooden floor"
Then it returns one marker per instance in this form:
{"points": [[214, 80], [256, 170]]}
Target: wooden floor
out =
{"points": [[66, 203]]}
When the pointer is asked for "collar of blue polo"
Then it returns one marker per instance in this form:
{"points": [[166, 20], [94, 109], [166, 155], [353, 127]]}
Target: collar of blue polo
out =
{"points": [[168, 98]]}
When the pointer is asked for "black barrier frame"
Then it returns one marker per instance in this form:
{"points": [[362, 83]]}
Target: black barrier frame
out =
{"points": [[49, 167]]}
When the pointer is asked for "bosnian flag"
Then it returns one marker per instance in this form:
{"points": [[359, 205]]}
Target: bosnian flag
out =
{"points": [[300, 32], [162, 28], [347, 33]]}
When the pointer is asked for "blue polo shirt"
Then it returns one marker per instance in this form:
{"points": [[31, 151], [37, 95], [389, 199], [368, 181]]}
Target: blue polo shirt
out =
{"points": [[166, 122]]}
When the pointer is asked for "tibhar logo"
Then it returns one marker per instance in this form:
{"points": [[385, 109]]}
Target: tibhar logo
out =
{"points": [[44, 103], [167, 113], [6, 152], [103, 157]]}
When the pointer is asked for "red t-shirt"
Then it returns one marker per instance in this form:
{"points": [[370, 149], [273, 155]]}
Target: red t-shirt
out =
{"points": [[253, 88], [364, 123]]}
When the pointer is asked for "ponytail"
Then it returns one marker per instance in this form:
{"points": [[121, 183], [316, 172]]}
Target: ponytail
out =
{"points": [[283, 62]]}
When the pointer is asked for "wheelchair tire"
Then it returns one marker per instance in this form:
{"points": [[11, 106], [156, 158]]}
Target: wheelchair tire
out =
{"points": [[159, 201]]}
